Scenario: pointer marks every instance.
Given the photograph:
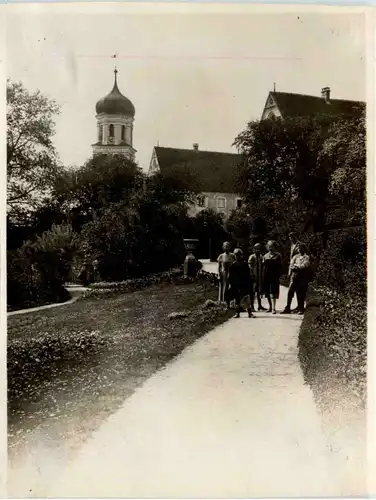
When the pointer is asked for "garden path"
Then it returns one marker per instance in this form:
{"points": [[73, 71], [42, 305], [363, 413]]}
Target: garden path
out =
{"points": [[230, 417], [74, 290]]}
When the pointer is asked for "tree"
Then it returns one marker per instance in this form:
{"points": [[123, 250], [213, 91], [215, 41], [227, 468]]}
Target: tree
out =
{"points": [[101, 181], [32, 164], [284, 167], [345, 150], [281, 159]]}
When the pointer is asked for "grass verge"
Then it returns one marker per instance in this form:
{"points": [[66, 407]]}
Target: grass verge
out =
{"points": [[70, 367]]}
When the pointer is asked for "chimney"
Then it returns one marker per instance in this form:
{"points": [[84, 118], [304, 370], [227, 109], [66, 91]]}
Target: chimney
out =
{"points": [[325, 94], [195, 146]]}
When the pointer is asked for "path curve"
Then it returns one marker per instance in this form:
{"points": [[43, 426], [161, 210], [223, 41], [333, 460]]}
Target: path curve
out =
{"points": [[75, 292]]}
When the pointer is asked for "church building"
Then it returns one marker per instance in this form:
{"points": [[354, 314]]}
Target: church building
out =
{"points": [[115, 117]]}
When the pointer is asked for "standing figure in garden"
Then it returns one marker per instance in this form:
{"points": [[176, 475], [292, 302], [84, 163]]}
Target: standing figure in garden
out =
{"points": [[300, 268], [294, 250], [271, 275], [241, 283], [255, 263], [224, 262]]}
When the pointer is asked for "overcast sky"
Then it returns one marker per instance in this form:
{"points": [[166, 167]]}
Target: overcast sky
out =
{"points": [[192, 77]]}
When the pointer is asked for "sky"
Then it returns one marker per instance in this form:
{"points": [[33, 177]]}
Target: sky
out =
{"points": [[194, 76]]}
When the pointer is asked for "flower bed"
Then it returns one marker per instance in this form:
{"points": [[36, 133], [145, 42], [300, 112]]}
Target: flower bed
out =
{"points": [[107, 288]]}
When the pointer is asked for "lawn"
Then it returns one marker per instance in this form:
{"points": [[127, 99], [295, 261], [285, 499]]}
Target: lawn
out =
{"points": [[107, 348]]}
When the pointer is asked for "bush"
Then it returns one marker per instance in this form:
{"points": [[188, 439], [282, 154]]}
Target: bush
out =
{"points": [[333, 336], [26, 286], [37, 271], [342, 264], [333, 340]]}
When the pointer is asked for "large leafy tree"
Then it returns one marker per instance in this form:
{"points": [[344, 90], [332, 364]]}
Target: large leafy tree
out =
{"points": [[32, 164], [289, 167], [345, 151], [281, 159], [100, 182]]}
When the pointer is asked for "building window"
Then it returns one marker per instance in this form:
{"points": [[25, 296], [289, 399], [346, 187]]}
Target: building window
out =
{"points": [[100, 134], [239, 202], [123, 132], [221, 202], [111, 130], [202, 201]]}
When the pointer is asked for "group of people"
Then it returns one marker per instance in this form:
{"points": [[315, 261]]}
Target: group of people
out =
{"points": [[243, 282]]}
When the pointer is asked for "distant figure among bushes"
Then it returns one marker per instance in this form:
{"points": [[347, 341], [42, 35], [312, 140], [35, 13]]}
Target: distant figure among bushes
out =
{"points": [[224, 262]]}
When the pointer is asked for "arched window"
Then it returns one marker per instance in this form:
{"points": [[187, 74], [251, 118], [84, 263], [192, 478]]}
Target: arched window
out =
{"points": [[100, 134], [111, 132], [123, 132]]}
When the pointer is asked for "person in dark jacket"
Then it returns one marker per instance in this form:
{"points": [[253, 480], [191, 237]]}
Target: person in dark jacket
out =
{"points": [[256, 263], [240, 282]]}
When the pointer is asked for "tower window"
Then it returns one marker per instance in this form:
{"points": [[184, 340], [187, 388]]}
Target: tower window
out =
{"points": [[123, 132], [100, 135], [111, 130]]}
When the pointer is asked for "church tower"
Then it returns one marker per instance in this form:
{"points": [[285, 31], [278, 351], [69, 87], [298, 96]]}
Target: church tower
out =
{"points": [[115, 117]]}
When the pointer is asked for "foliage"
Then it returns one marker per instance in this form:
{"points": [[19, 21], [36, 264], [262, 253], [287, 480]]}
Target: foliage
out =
{"points": [[345, 149], [32, 165], [177, 184], [304, 168], [26, 286], [208, 227], [136, 239], [342, 265], [101, 181], [281, 159], [37, 271], [60, 365], [308, 175]]}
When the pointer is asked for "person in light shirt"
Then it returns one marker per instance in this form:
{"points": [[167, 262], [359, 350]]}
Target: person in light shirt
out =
{"points": [[299, 268], [224, 262], [272, 270]]}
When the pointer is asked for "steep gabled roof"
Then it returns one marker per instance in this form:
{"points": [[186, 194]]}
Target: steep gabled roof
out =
{"points": [[293, 105], [214, 172]]}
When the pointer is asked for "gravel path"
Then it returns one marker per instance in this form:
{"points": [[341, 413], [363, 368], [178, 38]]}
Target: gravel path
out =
{"points": [[230, 417]]}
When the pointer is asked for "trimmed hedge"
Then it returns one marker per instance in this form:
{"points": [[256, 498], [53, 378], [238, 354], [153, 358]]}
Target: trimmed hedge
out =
{"points": [[333, 336], [108, 288]]}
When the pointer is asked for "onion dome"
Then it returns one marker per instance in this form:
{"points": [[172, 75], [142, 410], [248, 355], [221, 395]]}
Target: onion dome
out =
{"points": [[115, 103]]}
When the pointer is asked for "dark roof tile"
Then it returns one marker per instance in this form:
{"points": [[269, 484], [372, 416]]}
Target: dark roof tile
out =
{"points": [[214, 171], [293, 105]]}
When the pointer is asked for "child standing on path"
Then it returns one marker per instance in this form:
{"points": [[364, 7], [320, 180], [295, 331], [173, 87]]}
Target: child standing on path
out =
{"points": [[224, 262], [272, 274], [240, 281], [255, 263]]}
